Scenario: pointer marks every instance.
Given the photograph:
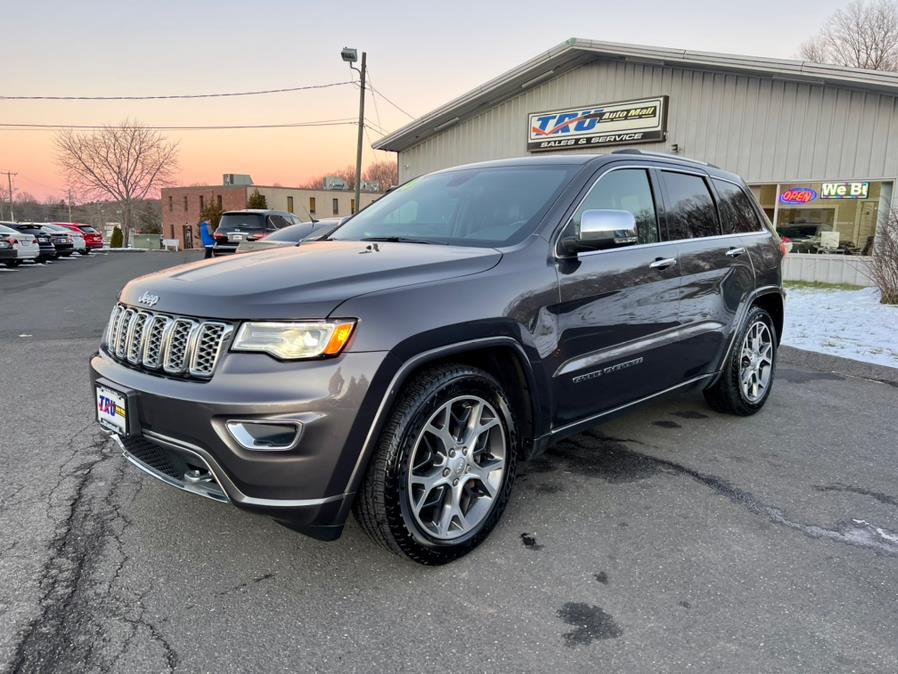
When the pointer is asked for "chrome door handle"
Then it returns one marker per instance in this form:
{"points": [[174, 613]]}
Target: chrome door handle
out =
{"points": [[735, 252], [663, 263]]}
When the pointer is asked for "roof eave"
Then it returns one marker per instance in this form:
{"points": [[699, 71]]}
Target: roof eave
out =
{"points": [[574, 52]]}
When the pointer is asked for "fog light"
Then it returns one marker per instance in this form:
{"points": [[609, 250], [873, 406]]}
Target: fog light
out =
{"points": [[265, 436]]}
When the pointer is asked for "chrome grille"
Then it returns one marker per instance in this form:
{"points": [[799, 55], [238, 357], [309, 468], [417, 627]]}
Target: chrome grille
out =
{"points": [[210, 338], [152, 349], [176, 345], [136, 336]]}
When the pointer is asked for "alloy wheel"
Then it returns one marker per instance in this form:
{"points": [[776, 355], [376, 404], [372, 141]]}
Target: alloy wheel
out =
{"points": [[457, 467], [756, 361]]}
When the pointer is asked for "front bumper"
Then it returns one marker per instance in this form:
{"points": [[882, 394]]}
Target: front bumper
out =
{"points": [[184, 422]]}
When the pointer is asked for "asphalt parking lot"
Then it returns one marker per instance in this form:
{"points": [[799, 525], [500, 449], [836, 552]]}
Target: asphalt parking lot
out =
{"points": [[670, 539]]}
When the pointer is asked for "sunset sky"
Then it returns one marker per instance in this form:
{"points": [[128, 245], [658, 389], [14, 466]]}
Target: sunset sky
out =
{"points": [[420, 55]]}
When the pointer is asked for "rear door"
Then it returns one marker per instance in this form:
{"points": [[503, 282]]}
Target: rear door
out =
{"points": [[715, 268], [618, 315]]}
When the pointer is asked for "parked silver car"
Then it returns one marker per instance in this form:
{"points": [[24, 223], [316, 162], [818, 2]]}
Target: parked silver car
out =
{"points": [[17, 247], [290, 236]]}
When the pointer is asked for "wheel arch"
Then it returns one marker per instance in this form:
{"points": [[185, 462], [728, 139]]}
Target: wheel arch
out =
{"points": [[502, 356], [772, 302], [769, 298]]}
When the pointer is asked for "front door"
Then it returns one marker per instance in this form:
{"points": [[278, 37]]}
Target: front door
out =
{"points": [[618, 314], [188, 237]]}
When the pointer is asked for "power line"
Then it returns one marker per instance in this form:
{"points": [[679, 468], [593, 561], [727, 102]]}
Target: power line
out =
{"points": [[175, 96], [290, 125], [380, 93], [374, 99]]}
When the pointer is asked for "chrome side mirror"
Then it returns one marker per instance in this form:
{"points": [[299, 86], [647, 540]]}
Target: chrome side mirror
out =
{"points": [[605, 228]]}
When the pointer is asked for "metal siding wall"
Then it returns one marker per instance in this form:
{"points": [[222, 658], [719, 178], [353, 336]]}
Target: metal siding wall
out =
{"points": [[763, 129]]}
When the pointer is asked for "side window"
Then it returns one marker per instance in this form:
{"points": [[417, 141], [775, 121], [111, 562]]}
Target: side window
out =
{"points": [[736, 210], [690, 210], [624, 190]]}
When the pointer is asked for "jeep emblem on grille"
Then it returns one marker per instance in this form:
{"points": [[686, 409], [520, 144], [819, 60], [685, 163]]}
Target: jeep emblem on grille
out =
{"points": [[148, 298]]}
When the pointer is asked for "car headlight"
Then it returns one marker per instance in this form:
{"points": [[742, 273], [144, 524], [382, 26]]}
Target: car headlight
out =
{"points": [[294, 340]]}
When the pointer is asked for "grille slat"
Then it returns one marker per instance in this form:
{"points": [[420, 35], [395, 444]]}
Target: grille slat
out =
{"points": [[177, 345]]}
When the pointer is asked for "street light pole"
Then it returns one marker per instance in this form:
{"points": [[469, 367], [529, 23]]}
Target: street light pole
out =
{"points": [[350, 56], [358, 149]]}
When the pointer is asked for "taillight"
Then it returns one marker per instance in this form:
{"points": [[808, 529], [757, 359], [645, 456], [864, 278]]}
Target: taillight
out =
{"points": [[785, 245], [220, 237]]}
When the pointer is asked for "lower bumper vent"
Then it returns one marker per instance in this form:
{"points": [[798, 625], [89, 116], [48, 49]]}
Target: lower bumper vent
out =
{"points": [[181, 469]]}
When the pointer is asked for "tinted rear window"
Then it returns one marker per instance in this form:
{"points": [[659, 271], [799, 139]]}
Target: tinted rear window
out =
{"points": [[243, 221], [690, 208], [736, 210], [87, 228]]}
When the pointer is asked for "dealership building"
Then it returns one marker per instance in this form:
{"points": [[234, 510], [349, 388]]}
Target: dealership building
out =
{"points": [[181, 206], [817, 144]]}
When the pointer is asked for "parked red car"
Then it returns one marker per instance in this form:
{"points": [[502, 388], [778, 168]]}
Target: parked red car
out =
{"points": [[92, 237]]}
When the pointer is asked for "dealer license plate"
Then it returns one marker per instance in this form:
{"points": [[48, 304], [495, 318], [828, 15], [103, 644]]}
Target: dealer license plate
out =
{"points": [[112, 410]]}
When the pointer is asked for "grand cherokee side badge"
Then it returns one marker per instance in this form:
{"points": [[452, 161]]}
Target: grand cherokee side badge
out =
{"points": [[611, 369], [148, 299]]}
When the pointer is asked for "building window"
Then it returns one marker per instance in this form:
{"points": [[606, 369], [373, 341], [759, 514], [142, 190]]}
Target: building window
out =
{"points": [[352, 205], [202, 203], [171, 203], [836, 216], [218, 201], [336, 207], [289, 204], [185, 202], [311, 204]]}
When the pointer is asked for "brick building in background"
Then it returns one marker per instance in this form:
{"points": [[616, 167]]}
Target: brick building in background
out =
{"points": [[181, 206]]}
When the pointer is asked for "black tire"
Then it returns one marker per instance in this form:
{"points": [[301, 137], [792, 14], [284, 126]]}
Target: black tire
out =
{"points": [[382, 505], [726, 394], [84, 252], [13, 263]]}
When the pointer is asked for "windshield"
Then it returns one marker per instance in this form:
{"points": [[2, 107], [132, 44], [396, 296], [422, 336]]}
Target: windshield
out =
{"points": [[483, 207], [242, 221]]}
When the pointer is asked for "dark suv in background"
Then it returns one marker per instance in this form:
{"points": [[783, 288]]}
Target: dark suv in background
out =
{"points": [[251, 224], [403, 367]]}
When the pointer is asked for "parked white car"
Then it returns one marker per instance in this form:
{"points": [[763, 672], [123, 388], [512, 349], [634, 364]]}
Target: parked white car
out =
{"points": [[17, 246]]}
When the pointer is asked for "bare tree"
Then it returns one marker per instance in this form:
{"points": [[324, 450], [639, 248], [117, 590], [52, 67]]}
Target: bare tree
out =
{"points": [[384, 172], [124, 162], [884, 263], [863, 35]]}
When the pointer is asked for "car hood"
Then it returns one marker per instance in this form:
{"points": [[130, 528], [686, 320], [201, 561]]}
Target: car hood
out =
{"points": [[307, 281]]}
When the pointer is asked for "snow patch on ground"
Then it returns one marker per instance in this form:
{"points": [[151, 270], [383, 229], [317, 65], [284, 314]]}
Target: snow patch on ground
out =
{"points": [[848, 323]]}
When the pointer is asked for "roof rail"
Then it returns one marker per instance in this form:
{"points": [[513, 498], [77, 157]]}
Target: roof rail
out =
{"points": [[663, 155]]}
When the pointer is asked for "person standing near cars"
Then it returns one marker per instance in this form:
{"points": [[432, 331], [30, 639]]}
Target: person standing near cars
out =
{"points": [[206, 235]]}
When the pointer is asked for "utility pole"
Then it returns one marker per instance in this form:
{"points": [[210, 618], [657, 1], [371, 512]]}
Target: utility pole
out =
{"points": [[9, 175], [358, 149], [70, 205], [350, 56]]}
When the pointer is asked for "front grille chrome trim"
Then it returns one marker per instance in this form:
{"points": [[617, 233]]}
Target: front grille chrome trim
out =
{"points": [[174, 345]]}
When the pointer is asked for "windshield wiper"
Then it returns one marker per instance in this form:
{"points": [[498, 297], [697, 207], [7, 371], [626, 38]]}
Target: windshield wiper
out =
{"points": [[401, 239]]}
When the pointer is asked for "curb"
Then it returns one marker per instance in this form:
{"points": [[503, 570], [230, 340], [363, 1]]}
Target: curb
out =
{"points": [[822, 362]]}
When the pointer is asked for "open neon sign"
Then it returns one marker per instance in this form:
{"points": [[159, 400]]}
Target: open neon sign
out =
{"points": [[798, 195]]}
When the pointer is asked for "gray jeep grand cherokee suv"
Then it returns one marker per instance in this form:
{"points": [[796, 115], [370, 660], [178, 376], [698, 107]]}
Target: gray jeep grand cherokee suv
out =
{"points": [[403, 367]]}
